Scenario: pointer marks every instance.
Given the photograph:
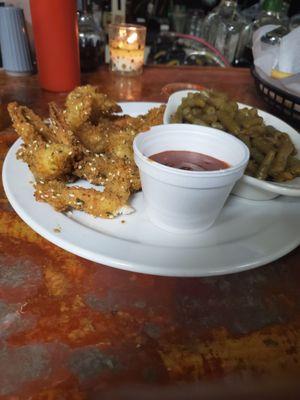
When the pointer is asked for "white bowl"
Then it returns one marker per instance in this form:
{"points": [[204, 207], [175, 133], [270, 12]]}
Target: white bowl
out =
{"points": [[249, 187], [187, 201]]}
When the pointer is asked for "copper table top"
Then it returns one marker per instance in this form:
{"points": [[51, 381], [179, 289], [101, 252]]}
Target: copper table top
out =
{"points": [[74, 329]]}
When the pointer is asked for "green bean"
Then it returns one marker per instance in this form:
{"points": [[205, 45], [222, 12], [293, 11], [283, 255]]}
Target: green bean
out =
{"points": [[209, 110], [254, 131], [244, 112], [251, 168], [280, 161], [228, 122], [294, 165], [209, 118], [256, 155], [196, 101], [230, 107], [189, 118], [271, 151], [263, 169], [244, 138], [263, 145], [253, 112], [176, 118], [217, 125], [271, 130], [283, 176], [217, 102], [196, 112], [186, 110], [250, 121], [284, 138]]}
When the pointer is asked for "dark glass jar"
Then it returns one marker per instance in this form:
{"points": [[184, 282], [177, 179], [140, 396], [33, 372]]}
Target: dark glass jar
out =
{"points": [[91, 43]]}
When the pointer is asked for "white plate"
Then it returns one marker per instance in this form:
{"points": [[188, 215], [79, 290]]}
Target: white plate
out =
{"points": [[249, 187], [246, 235]]}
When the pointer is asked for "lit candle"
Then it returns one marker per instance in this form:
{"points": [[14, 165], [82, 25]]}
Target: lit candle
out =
{"points": [[127, 48]]}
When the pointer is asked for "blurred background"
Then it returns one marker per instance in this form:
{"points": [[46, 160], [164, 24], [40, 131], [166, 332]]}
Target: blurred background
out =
{"points": [[190, 32]]}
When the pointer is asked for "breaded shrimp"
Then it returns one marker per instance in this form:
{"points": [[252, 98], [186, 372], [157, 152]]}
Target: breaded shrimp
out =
{"points": [[106, 204]]}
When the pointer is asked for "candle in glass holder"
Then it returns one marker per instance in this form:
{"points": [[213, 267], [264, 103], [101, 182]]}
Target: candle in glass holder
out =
{"points": [[127, 48]]}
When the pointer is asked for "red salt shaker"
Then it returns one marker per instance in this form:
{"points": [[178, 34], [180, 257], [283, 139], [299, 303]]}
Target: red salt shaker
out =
{"points": [[55, 32]]}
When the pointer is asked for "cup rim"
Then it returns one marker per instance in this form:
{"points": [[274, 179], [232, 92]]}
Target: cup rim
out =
{"points": [[127, 26], [185, 173]]}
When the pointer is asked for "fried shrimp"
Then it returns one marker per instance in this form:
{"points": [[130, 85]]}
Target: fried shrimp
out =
{"points": [[61, 133], [94, 137], [46, 159], [87, 103], [143, 122], [88, 141], [27, 124], [100, 169], [106, 204], [115, 135]]}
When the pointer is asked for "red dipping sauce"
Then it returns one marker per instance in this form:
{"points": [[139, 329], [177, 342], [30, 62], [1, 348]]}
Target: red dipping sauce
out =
{"points": [[189, 161]]}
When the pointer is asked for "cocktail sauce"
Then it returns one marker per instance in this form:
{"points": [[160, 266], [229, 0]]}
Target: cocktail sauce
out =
{"points": [[189, 160]]}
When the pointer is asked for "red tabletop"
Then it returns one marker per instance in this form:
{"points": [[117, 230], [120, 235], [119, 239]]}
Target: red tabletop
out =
{"points": [[74, 329]]}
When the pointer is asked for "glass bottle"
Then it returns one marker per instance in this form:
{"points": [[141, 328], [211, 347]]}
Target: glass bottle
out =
{"points": [[179, 18], [229, 28], [106, 15], [97, 15], [210, 23], [271, 14], [225, 11], [243, 55], [194, 23], [91, 42]]}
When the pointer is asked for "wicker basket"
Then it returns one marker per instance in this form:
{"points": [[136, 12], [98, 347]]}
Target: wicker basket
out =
{"points": [[285, 104]]}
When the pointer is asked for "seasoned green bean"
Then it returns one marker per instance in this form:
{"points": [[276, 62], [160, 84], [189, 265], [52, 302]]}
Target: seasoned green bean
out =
{"points": [[251, 168], [254, 131], [217, 102], [294, 165], [209, 118], [228, 122], [244, 138], [280, 161], [264, 167], [256, 155], [271, 151], [263, 145], [250, 121], [209, 110]]}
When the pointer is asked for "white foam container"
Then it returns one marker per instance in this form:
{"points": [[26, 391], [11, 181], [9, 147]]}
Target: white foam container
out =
{"points": [[187, 201]]}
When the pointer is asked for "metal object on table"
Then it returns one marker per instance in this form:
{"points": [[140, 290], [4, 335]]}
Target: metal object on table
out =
{"points": [[285, 104]]}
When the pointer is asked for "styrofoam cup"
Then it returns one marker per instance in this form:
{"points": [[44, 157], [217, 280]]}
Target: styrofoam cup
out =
{"points": [[187, 201]]}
